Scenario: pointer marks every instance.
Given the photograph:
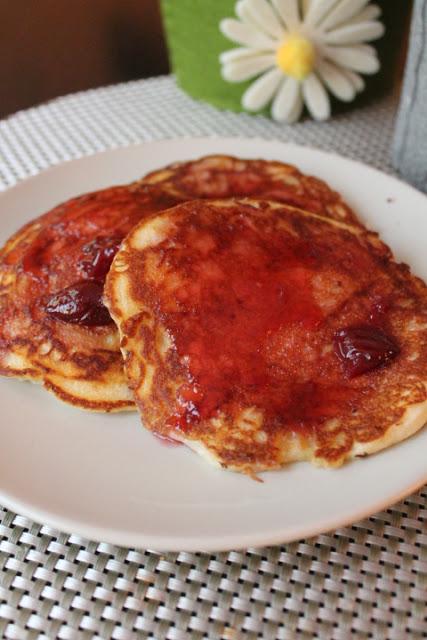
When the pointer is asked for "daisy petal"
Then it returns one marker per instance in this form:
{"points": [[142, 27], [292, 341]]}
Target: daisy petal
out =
{"points": [[368, 49], [264, 16], [295, 113], [240, 10], [316, 98], [304, 6], [237, 54], [355, 33], [336, 80], [357, 58], [286, 100], [356, 80], [318, 10], [245, 34], [372, 12], [243, 12], [246, 68], [288, 10], [344, 10], [259, 94]]}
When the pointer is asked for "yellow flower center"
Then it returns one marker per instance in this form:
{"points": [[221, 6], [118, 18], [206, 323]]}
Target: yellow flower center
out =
{"points": [[296, 57]]}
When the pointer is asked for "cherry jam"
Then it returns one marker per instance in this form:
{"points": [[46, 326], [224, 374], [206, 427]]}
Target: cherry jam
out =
{"points": [[98, 256], [364, 348], [81, 303]]}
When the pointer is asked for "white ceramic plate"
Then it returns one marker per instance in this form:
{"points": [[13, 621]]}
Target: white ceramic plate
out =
{"points": [[105, 478]]}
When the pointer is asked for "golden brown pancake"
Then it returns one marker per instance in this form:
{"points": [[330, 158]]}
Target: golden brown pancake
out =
{"points": [[54, 328], [77, 356], [260, 334], [219, 176]]}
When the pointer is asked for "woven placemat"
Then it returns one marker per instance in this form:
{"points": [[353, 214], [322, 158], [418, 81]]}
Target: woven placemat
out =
{"points": [[364, 581]]}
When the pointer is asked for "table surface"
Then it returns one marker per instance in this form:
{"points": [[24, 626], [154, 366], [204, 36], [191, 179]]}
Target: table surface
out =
{"points": [[364, 581]]}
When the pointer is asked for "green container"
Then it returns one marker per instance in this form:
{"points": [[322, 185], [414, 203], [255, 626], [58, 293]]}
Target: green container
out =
{"points": [[195, 42]]}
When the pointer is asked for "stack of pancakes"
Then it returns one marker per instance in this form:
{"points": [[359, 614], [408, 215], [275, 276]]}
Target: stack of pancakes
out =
{"points": [[240, 304]]}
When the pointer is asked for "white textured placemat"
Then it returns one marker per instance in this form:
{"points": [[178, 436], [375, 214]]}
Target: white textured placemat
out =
{"points": [[364, 581]]}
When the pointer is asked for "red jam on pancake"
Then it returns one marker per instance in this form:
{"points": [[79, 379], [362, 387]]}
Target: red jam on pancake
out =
{"points": [[259, 334], [54, 327]]}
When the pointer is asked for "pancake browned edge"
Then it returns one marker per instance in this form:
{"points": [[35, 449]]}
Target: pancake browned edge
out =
{"points": [[80, 364], [228, 312], [219, 176]]}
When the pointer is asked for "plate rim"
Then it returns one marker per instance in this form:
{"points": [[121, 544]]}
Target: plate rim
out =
{"points": [[205, 139], [168, 543]]}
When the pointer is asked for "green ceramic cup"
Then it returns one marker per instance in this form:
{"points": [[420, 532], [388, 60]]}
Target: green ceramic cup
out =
{"points": [[195, 42]]}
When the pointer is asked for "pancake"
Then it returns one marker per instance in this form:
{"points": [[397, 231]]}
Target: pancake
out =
{"points": [[79, 359], [219, 176], [54, 328], [259, 334]]}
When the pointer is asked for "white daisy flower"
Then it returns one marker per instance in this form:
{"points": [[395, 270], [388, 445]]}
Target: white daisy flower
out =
{"points": [[298, 50]]}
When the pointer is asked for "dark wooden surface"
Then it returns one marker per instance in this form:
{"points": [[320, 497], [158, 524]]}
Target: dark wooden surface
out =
{"points": [[52, 47]]}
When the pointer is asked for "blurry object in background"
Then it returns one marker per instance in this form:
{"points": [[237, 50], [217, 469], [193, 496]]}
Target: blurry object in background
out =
{"points": [[49, 48], [310, 51], [410, 142], [195, 45]]}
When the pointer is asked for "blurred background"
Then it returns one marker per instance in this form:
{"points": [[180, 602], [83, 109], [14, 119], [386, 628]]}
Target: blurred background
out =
{"points": [[53, 47]]}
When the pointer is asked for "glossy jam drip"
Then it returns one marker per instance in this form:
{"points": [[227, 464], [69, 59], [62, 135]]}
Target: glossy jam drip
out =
{"points": [[35, 260], [189, 398], [166, 440], [364, 348], [94, 262], [97, 257], [81, 303], [378, 312]]}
